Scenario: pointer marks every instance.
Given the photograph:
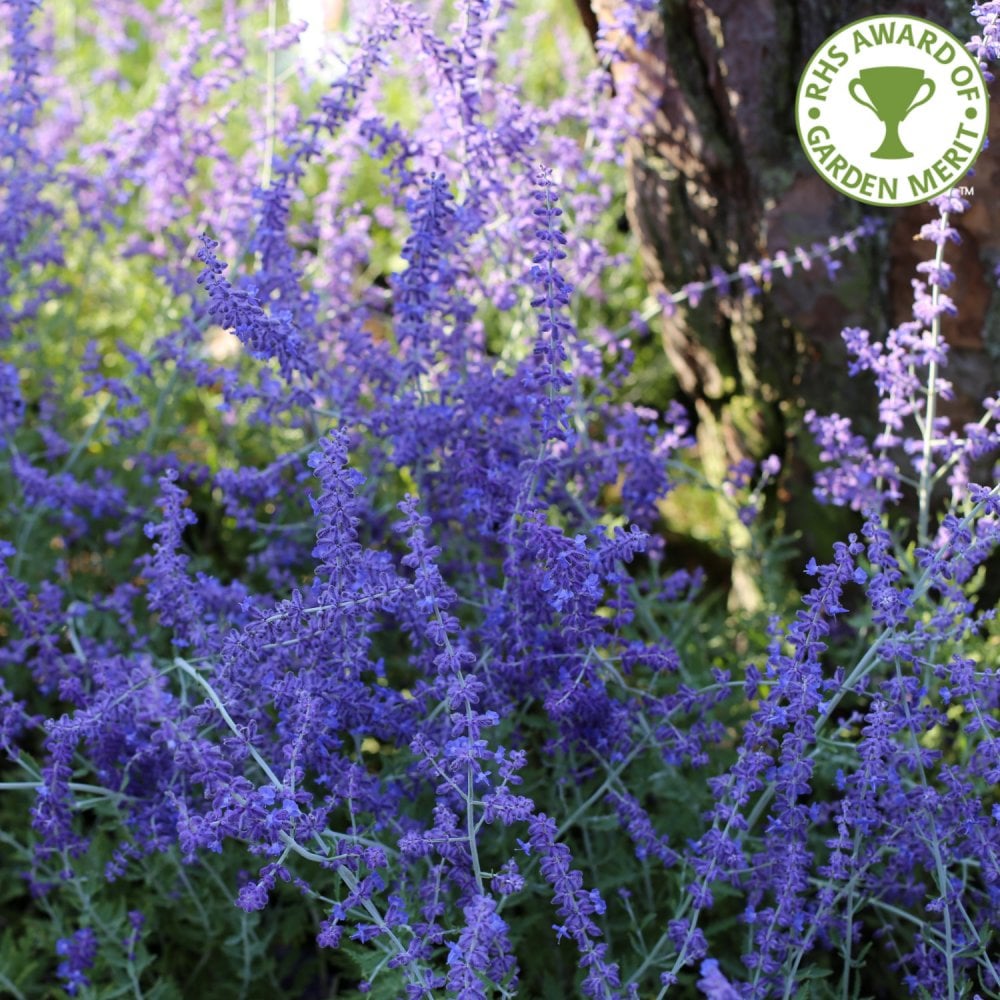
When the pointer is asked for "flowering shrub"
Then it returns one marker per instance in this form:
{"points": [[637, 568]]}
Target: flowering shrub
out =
{"points": [[343, 654]]}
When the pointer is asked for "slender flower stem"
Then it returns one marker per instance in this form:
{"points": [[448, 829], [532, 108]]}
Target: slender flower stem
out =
{"points": [[925, 487], [270, 95]]}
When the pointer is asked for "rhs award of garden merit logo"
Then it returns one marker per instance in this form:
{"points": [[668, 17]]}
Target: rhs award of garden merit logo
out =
{"points": [[892, 110]]}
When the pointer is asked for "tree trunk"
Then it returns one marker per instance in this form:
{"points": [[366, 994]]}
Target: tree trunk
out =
{"points": [[718, 177]]}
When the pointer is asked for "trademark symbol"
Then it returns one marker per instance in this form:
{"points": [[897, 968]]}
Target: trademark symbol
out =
{"points": [[963, 191]]}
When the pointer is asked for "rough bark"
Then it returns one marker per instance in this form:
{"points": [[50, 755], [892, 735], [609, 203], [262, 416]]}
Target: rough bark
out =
{"points": [[718, 177]]}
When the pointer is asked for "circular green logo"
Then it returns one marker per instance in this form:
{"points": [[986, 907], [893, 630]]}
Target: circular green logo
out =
{"points": [[892, 110]]}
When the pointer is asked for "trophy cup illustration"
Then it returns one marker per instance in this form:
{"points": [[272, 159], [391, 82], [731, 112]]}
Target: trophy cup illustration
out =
{"points": [[891, 93]]}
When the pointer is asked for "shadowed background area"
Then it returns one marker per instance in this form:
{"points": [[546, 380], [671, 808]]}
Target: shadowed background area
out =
{"points": [[718, 177]]}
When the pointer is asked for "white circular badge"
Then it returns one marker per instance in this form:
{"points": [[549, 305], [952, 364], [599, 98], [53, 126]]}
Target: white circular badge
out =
{"points": [[892, 110]]}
